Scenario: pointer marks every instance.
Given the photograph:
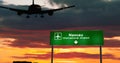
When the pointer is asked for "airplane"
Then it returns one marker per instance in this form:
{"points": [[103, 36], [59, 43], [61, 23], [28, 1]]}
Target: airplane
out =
{"points": [[35, 9]]}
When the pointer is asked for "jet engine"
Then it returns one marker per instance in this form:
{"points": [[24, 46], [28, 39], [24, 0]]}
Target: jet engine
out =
{"points": [[19, 13]]}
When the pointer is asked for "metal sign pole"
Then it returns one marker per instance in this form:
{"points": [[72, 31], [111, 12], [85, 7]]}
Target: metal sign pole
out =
{"points": [[52, 53], [100, 54]]}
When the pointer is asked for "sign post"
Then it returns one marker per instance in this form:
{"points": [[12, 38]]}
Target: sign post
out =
{"points": [[100, 54], [52, 54], [82, 38]]}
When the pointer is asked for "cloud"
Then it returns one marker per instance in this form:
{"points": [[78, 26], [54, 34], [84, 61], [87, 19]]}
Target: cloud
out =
{"points": [[93, 15], [113, 38], [6, 41], [111, 43], [1, 2], [47, 3], [26, 38], [34, 32], [67, 55], [86, 13], [110, 1], [1, 19], [40, 38]]}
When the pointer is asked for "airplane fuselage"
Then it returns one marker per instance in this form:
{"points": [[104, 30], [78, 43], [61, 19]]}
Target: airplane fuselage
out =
{"points": [[33, 9]]}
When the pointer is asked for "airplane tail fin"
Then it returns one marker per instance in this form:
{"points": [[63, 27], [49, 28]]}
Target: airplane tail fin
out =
{"points": [[32, 2]]}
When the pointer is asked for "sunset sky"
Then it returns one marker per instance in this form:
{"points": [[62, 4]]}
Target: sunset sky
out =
{"points": [[24, 39]]}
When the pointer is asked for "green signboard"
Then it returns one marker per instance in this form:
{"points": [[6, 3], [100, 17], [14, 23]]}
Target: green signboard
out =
{"points": [[84, 37]]}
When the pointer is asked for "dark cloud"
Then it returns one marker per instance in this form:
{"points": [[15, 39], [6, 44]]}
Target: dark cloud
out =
{"points": [[112, 43], [41, 38], [1, 1], [67, 55], [31, 43], [86, 13]]}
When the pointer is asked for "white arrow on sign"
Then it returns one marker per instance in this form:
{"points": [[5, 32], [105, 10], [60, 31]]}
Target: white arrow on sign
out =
{"points": [[76, 42]]}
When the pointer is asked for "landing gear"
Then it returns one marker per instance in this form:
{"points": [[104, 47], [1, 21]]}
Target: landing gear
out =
{"points": [[42, 16], [27, 16]]}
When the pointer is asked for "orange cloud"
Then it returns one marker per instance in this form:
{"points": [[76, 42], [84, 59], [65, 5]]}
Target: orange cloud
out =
{"points": [[67, 55], [6, 41], [113, 38], [34, 45]]}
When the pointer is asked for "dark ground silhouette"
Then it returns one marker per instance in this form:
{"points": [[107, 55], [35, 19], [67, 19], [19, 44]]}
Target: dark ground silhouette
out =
{"points": [[21, 62]]}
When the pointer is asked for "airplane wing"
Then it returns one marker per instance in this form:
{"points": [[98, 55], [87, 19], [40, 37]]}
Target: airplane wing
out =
{"points": [[50, 12], [16, 10]]}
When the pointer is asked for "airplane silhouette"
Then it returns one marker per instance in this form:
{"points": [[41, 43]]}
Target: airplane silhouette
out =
{"points": [[35, 9]]}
